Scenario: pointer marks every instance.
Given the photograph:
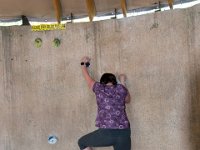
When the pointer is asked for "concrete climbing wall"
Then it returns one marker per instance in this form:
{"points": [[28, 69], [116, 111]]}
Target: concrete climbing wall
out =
{"points": [[43, 92]]}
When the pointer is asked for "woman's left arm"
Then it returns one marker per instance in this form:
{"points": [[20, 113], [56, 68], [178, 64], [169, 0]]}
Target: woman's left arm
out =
{"points": [[84, 66]]}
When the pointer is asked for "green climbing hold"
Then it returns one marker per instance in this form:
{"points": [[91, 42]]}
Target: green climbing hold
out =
{"points": [[56, 42], [38, 42]]}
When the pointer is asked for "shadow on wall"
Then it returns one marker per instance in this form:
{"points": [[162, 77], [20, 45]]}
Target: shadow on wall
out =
{"points": [[195, 111]]}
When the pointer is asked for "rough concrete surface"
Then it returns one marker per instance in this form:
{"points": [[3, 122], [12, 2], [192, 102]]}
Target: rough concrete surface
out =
{"points": [[43, 92]]}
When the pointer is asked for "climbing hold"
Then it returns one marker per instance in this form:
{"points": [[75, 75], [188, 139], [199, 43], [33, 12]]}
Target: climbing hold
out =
{"points": [[52, 139], [38, 42], [56, 42]]}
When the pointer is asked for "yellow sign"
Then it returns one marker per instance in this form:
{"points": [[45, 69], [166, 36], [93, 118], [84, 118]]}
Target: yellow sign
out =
{"points": [[46, 27]]}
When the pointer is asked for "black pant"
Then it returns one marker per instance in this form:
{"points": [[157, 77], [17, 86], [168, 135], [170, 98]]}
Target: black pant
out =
{"points": [[118, 138]]}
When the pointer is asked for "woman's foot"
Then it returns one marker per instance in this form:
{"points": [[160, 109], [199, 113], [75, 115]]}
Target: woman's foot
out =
{"points": [[88, 148]]}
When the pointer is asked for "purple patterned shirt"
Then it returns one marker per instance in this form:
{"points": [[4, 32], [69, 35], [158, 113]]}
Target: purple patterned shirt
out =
{"points": [[111, 106]]}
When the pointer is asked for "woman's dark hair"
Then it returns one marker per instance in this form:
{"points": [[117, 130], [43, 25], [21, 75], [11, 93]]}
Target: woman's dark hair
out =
{"points": [[108, 78]]}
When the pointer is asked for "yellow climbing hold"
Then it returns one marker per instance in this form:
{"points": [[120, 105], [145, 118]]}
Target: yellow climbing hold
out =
{"points": [[46, 27]]}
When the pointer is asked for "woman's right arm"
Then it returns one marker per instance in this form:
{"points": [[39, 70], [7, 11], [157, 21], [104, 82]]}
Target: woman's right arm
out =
{"points": [[122, 79]]}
